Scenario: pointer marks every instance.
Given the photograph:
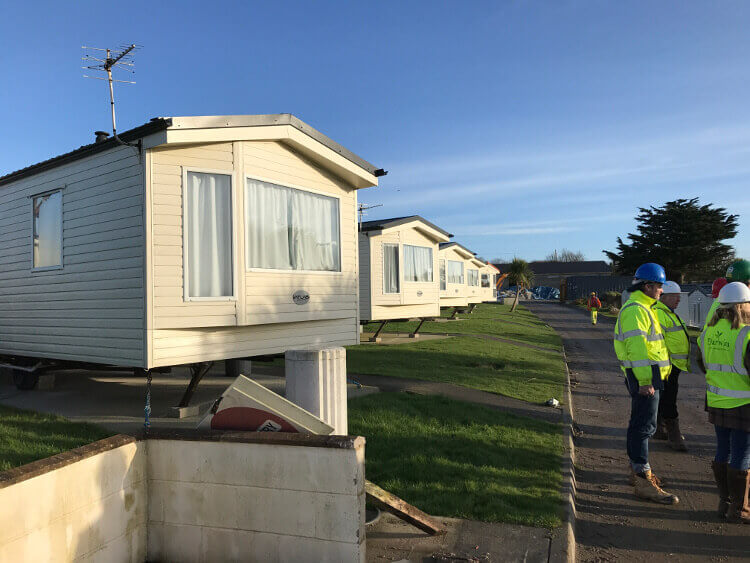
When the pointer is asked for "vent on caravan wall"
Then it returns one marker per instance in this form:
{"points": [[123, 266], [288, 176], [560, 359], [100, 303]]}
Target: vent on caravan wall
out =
{"points": [[101, 136]]}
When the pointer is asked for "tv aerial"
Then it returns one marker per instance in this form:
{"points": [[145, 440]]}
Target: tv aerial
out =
{"points": [[106, 60], [362, 210]]}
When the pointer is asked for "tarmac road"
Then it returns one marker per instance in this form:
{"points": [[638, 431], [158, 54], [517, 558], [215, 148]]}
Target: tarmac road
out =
{"points": [[612, 524]]}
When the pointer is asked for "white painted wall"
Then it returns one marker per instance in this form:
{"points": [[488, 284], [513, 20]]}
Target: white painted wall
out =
{"points": [[91, 510]]}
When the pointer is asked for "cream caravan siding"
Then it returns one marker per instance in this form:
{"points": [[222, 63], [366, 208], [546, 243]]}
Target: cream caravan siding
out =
{"points": [[474, 292], [454, 295], [365, 281], [262, 297], [415, 299], [93, 308]]}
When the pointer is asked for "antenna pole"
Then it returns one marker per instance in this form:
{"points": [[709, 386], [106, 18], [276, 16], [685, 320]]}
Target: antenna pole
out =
{"points": [[108, 67]]}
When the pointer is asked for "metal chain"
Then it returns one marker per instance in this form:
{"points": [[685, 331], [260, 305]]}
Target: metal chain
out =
{"points": [[147, 409]]}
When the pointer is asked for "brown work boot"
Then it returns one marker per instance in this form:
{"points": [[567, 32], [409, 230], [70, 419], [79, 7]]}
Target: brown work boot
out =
{"points": [[631, 478], [661, 430], [646, 488], [722, 483], [675, 437], [739, 482]]}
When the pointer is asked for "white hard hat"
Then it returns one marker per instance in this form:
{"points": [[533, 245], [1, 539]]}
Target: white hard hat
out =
{"points": [[735, 292], [671, 287]]}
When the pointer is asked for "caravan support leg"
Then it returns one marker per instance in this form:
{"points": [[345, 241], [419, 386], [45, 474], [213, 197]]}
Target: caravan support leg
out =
{"points": [[472, 307], [375, 337], [197, 371], [455, 312], [416, 330]]}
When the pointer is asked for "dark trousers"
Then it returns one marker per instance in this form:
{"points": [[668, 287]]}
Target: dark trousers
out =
{"points": [[668, 397], [642, 425], [733, 447]]}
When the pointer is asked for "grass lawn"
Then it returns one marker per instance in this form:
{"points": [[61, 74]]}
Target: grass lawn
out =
{"points": [[497, 367], [601, 312], [26, 436], [489, 318], [457, 459]]}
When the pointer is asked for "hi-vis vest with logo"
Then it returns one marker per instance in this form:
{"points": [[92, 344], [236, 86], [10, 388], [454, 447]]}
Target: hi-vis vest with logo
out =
{"points": [[639, 342], [675, 336], [723, 350]]}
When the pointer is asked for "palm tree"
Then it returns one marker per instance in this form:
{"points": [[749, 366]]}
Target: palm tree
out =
{"points": [[519, 273]]}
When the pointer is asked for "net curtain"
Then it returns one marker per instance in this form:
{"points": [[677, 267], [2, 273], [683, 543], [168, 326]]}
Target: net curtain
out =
{"points": [[209, 235], [417, 263]]}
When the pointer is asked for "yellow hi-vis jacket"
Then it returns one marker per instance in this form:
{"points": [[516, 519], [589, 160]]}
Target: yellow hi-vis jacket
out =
{"points": [[723, 350], [639, 342], [675, 336]]}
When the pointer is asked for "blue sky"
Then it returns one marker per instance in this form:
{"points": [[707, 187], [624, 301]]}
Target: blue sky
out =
{"points": [[520, 127]]}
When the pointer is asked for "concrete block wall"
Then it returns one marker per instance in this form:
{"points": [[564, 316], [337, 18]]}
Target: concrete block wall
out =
{"points": [[216, 501], [94, 509]]}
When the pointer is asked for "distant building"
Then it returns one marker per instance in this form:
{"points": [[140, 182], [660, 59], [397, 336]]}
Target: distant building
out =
{"points": [[552, 274]]}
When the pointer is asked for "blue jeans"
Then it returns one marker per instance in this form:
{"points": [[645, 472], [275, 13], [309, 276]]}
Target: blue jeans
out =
{"points": [[642, 425], [733, 446]]}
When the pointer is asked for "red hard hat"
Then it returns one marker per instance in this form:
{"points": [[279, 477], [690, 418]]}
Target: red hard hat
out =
{"points": [[717, 285]]}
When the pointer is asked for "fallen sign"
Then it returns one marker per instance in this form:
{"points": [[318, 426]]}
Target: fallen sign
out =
{"points": [[247, 405]]}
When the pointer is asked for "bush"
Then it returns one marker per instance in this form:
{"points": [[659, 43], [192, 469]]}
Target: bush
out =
{"points": [[611, 299]]}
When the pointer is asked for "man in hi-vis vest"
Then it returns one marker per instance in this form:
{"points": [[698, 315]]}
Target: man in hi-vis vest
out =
{"points": [[644, 359], [678, 345]]}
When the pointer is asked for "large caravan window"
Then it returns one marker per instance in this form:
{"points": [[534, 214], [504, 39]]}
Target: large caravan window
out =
{"points": [[417, 263], [455, 271], [485, 280], [442, 276], [208, 235], [291, 229], [472, 277], [47, 236], [390, 268]]}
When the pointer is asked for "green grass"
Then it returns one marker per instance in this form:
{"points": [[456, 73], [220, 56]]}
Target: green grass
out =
{"points": [[488, 318], [27, 436], [601, 312], [457, 459], [497, 367]]}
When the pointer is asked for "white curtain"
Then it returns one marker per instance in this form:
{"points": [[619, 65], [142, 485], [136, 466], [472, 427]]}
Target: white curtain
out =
{"points": [[455, 271], [442, 275], [209, 235], [472, 277], [417, 263], [48, 230], [390, 268], [290, 229]]}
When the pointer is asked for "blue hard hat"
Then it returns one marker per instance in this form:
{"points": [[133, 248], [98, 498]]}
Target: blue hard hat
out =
{"points": [[651, 272]]}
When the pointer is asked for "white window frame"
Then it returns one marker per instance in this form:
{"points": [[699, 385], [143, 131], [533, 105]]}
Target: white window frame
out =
{"points": [[233, 201], [468, 281], [59, 266], [400, 269], [432, 256], [338, 272], [463, 273]]}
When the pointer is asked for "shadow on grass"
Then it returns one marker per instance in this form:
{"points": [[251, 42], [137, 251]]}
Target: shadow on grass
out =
{"points": [[457, 459]]}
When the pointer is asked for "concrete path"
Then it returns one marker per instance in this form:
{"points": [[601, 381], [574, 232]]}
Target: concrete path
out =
{"points": [[612, 525], [459, 393]]}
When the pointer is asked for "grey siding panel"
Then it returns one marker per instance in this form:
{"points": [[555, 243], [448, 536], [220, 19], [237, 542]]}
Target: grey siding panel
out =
{"points": [[93, 308]]}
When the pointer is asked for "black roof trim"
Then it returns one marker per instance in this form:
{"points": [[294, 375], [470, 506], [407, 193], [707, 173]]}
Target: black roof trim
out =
{"points": [[153, 126], [447, 244], [380, 224]]}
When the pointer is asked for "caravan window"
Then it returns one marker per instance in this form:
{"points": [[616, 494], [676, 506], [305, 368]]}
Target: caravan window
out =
{"points": [[291, 229], [472, 277], [208, 235], [390, 268], [417, 263], [47, 235], [485, 280], [455, 271], [442, 276]]}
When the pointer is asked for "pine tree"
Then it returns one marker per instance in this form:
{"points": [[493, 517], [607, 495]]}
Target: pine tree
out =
{"points": [[683, 236]]}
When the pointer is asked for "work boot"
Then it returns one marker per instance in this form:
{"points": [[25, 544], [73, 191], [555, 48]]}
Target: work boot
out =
{"points": [[657, 480], [646, 488], [722, 483], [675, 437], [661, 429], [739, 482]]}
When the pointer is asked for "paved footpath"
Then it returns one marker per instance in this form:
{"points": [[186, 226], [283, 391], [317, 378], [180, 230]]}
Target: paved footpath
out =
{"points": [[613, 525]]}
